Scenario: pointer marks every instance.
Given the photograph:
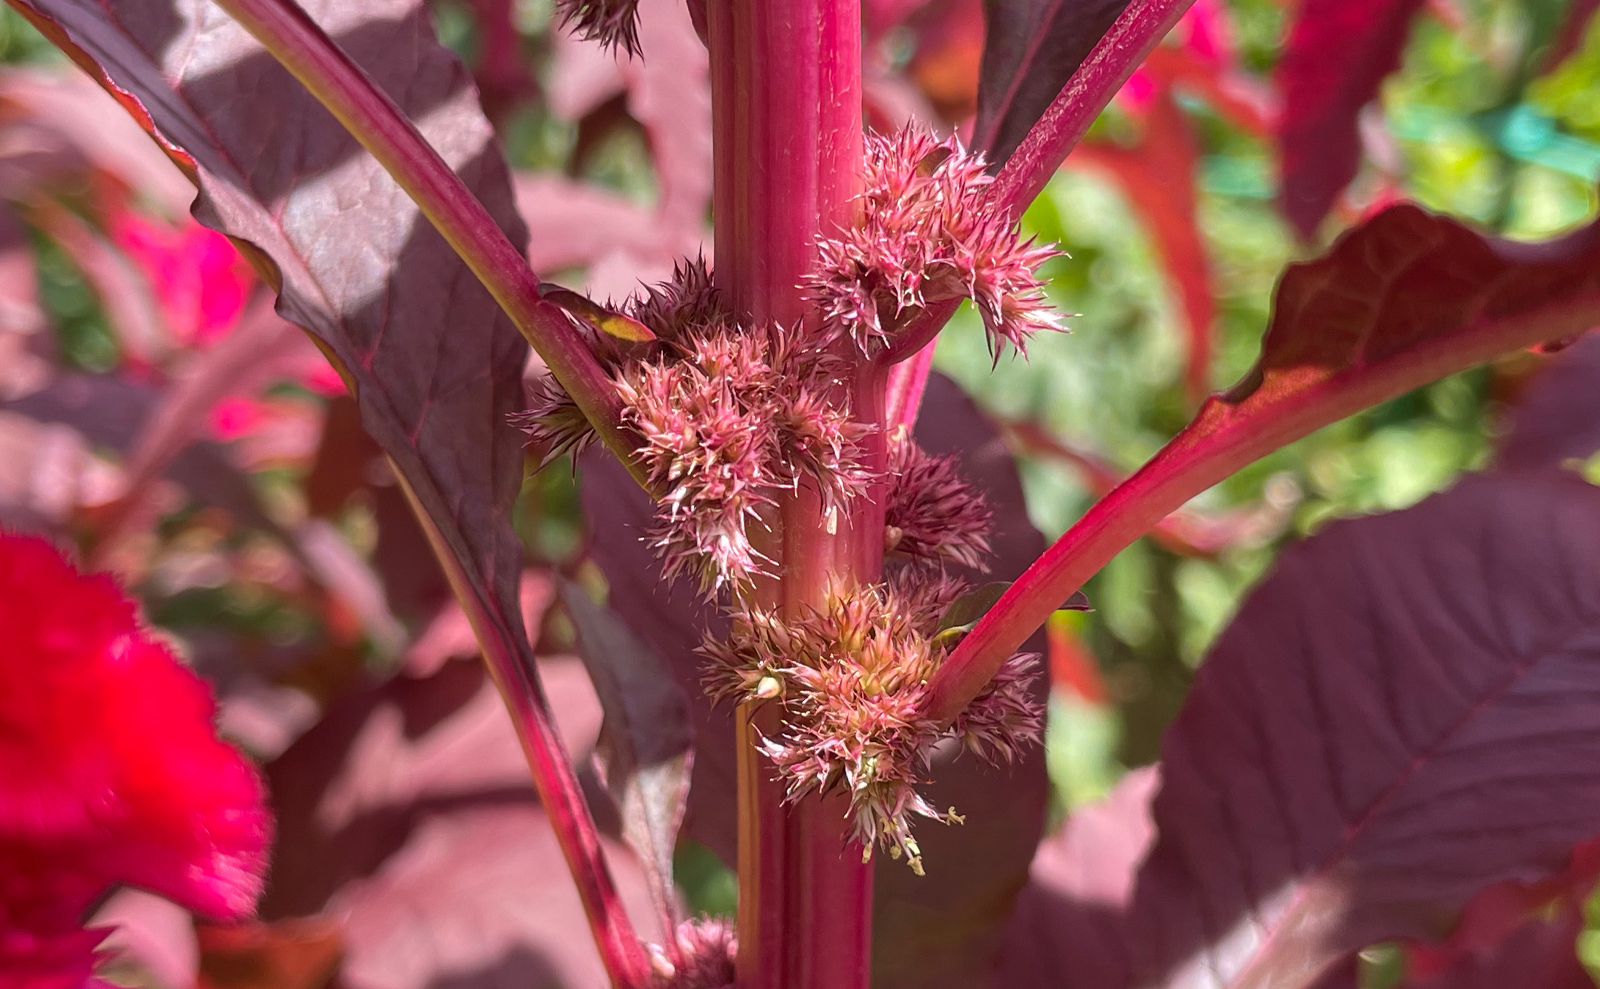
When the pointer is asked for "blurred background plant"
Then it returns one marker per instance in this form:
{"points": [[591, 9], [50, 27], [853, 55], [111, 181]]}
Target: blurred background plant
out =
{"points": [[156, 413]]}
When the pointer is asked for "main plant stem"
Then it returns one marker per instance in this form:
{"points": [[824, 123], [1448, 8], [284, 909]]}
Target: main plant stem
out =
{"points": [[786, 105]]}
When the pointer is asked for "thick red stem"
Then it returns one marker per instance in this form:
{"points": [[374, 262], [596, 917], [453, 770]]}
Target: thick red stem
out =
{"points": [[786, 105]]}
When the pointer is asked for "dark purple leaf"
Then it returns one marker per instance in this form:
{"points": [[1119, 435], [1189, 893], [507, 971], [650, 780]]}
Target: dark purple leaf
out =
{"points": [[644, 743], [1030, 50], [1401, 714], [1338, 53], [434, 365], [934, 931], [1557, 417]]}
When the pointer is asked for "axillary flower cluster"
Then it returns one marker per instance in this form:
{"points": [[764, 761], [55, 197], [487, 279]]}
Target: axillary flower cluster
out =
{"points": [[732, 416]]}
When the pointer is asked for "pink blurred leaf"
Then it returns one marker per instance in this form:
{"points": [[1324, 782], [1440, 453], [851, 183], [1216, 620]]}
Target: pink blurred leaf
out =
{"points": [[1397, 717], [1337, 55], [43, 474], [449, 634], [109, 412], [68, 104], [574, 224], [151, 938], [582, 76], [1069, 921], [179, 416], [669, 92], [130, 306]]}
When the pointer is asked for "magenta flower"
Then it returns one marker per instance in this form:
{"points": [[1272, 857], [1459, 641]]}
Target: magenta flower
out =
{"points": [[110, 772], [199, 280]]}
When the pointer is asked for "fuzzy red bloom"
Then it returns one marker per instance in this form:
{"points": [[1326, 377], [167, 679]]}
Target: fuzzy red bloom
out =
{"points": [[199, 279], [110, 772], [932, 513], [927, 235], [852, 677]]}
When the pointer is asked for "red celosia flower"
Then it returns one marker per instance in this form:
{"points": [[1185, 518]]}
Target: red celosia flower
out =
{"points": [[110, 772]]}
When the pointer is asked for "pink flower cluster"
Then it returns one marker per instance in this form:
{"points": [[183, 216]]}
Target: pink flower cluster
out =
{"points": [[852, 677], [926, 236], [110, 772], [931, 513], [727, 416], [730, 415]]}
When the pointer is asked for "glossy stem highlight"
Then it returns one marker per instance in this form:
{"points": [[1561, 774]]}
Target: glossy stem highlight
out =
{"points": [[786, 109], [1141, 26]]}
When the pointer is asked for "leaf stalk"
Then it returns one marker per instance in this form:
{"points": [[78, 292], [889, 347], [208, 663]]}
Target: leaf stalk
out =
{"points": [[289, 34]]}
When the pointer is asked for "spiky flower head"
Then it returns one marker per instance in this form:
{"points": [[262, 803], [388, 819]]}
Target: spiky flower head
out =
{"points": [[688, 300], [728, 418], [931, 512], [613, 23], [852, 676], [928, 234], [672, 310]]}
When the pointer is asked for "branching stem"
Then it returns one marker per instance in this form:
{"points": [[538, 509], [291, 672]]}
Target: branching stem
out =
{"points": [[1221, 440]]}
